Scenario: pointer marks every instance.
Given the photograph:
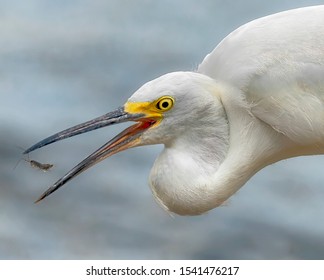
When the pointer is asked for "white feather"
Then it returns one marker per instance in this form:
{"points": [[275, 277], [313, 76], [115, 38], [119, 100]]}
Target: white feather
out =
{"points": [[257, 98]]}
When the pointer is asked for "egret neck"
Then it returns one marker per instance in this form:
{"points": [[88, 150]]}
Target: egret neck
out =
{"points": [[180, 177]]}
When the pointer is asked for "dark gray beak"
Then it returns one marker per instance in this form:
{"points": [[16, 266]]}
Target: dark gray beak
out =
{"points": [[130, 137]]}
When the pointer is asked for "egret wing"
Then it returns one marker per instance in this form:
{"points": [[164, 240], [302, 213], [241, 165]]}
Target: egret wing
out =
{"points": [[277, 63]]}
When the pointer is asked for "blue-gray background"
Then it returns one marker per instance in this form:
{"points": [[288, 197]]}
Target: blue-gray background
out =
{"points": [[64, 62]]}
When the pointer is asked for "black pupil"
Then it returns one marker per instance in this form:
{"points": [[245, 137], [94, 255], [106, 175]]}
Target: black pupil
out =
{"points": [[165, 104]]}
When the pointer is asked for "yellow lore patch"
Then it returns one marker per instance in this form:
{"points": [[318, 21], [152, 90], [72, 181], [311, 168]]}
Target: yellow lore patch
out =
{"points": [[150, 109]]}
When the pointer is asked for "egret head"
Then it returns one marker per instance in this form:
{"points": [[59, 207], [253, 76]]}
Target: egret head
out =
{"points": [[164, 110], [173, 104]]}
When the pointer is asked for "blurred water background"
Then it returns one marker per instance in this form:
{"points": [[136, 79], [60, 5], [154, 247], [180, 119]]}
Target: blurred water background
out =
{"points": [[64, 62]]}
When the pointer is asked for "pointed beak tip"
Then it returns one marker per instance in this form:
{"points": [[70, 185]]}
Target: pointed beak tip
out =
{"points": [[39, 199], [26, 151]]}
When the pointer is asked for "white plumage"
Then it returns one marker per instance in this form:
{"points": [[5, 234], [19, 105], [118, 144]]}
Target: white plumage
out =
{"points": [[257, 98], [278, 63]]}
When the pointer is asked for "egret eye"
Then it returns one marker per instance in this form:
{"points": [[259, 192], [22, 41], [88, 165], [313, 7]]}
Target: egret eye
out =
{"points": [[165, 103]]}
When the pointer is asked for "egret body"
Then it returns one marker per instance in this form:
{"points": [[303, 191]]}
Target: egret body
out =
{"points": [[257, 98]]}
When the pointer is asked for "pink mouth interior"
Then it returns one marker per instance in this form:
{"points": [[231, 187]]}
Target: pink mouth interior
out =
{"points": [[146, 123]]}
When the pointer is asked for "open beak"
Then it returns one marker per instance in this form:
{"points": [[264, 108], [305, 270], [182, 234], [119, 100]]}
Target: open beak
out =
{"points": [[130, 137]]}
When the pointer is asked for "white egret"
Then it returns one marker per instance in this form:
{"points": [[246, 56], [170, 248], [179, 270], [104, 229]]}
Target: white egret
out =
{"points": [[257, 98]]}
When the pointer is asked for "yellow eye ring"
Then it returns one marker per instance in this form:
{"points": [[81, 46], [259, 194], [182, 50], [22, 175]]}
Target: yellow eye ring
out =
{"points": [[165, 103]]}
